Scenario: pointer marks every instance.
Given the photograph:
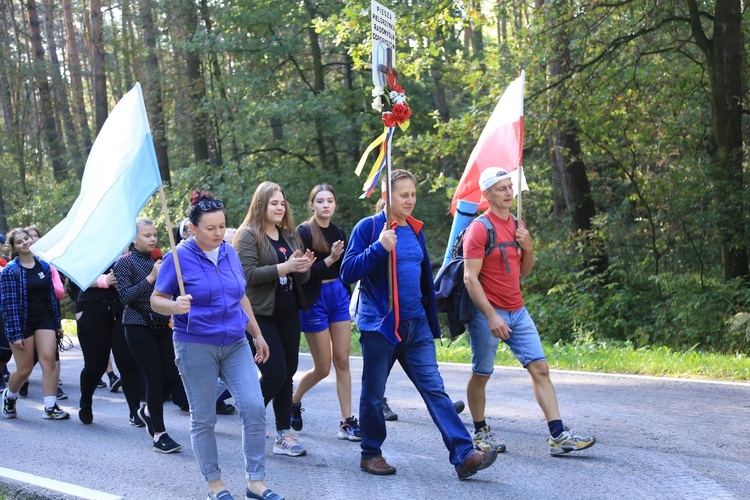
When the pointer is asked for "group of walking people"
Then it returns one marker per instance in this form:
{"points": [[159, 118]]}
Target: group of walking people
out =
{"points": [[205, 314]]}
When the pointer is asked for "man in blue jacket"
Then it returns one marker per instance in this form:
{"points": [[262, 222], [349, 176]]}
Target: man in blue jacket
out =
{"points": [[406, 333]]}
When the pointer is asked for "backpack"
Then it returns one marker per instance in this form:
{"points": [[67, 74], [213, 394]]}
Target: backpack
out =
{"points": [[450, 292]]}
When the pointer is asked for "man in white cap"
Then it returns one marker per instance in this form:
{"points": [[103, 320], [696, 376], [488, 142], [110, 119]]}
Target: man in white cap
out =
{"points": [[493, 283]]}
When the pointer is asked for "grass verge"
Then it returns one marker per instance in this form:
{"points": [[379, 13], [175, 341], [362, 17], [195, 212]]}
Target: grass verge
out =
{"points": [[598, 357]]}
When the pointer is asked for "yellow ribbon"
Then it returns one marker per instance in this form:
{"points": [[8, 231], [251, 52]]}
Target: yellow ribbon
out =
{"points": [[377, 142]]}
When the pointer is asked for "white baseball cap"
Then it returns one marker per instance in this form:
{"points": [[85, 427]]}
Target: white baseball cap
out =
{"points": [[490, 176]]}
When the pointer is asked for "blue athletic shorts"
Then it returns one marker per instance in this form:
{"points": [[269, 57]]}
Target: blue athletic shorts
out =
{"points": [[524, 340], [332, 306]]}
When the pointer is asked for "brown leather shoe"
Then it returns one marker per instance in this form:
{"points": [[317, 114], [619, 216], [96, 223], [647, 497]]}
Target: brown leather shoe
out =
{"points": [[477, 461], [377, 466]]}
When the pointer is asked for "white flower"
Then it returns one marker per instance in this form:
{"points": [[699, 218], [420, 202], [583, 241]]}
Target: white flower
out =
{"points": [[397, 97], [377, 91], [377, 104]]}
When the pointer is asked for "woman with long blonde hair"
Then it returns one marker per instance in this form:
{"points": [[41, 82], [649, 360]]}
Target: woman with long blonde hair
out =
{"points": [[276, 266]]}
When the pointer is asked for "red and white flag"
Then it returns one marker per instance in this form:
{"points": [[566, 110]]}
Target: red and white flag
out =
{"points": [[499, 145]]}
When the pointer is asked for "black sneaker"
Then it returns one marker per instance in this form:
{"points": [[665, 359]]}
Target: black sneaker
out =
{"points": [[459, 406], [61, 394], [136, 421], [55, 413], [85, 414], [223, 408], [24, 390], [114, 383], [146, 420], [296, 422], [166, 444], [388, 414], [9, 405], [101, 384]]}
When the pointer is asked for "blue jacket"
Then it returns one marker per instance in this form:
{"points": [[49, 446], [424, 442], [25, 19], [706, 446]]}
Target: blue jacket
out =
{"points": [[366, 260], [15, 300], [216, 316]]}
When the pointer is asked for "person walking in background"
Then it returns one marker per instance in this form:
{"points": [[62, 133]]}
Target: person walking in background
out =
{"points": [[148, 334], [276, 266], [32, 324], [327, 324], [493, 283], [406, 333], [207, 349], [100, 329]]}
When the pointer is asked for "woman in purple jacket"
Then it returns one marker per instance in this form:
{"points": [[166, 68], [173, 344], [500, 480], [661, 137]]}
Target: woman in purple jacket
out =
{"points": [[210, 321]]}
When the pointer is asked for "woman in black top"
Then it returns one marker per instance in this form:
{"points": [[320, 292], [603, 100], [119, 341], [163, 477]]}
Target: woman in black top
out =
{"points": [[99, 321], [32, 322], [148, 334], [326, 323]]}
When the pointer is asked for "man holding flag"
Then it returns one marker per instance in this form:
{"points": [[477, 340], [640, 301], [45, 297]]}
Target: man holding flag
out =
{"points": [[493, 283]]}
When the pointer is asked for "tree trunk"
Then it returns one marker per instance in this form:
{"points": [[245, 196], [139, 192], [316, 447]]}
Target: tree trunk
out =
{"points": [[101, 110], [128, 41], [724, 54], [45, 100], [61, 92], [318, 83], [569, 169], [152, 88], [76, 83]]}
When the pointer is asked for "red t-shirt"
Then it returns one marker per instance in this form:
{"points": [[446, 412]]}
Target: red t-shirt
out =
{"points": [[503, 289]]}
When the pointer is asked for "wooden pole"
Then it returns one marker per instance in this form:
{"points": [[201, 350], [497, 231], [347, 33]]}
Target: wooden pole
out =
{"points": [[171, 239]]}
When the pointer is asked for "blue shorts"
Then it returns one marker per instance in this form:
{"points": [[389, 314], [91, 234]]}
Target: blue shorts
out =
{"points": [[524, 340], [332, 306]]}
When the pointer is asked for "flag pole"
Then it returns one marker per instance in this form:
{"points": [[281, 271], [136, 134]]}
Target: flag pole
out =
{"points": [[171, 239], [388, 219], [520, 202]]}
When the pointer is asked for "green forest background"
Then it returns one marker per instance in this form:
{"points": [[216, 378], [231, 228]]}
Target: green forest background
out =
{"points": [[635, 149]]}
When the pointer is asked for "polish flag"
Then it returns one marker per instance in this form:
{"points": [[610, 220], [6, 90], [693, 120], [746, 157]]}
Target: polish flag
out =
{"points": [[499, 145]]}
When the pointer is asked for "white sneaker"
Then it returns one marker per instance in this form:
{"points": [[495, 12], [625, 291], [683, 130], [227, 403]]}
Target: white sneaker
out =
{"points": [[287, 444]]}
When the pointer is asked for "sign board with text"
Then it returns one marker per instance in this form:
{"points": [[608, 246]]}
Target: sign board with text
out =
{"points": [[383, 42]]}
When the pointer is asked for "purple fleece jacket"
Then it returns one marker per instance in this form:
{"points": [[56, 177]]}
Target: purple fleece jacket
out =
{"points": [[216, 316]]}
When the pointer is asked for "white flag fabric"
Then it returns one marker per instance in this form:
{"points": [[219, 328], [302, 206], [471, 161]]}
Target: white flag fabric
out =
{"points": [[121, 175]]}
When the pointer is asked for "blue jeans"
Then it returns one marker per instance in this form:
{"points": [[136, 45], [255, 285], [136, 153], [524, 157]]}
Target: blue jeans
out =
{"points": [[200, 365], [416, 354]]}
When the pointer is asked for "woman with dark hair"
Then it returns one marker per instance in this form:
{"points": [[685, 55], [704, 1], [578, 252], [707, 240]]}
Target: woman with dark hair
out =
{"points": [[100, 329], [32, 323], [148, 334], [276, 266], [207, 349], [327, 324]]}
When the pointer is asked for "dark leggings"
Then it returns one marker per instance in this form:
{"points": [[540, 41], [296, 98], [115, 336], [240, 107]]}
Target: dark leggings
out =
{"points": [[154, 352], [99, 330], [281, 332]]}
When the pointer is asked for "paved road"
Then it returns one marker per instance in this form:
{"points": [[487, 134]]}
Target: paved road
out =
{"points": [[657, 438]]}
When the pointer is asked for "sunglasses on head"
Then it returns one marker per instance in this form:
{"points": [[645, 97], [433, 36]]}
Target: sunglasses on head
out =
{"points": [[206, 205]]}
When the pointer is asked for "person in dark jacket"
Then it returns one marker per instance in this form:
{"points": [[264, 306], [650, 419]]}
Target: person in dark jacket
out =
{"points": [[406, 332], [148, 335], [211, 319]]}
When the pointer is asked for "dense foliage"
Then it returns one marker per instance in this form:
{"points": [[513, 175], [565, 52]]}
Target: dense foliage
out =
{"points": [[639, 193]]}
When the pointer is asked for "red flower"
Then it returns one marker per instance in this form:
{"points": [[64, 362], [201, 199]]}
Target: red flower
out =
{"points": [[401, 112], [389, 120]]}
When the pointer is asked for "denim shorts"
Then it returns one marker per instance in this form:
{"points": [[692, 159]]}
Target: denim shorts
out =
{"points": [[524, 340], [332, 306]]}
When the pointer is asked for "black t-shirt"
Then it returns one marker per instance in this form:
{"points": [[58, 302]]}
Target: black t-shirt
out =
{"points": [[332, 234], [37, 290], [285, 293]]}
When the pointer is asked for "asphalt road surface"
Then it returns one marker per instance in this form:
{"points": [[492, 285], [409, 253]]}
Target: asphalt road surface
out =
{"points": [[656, 438]]}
